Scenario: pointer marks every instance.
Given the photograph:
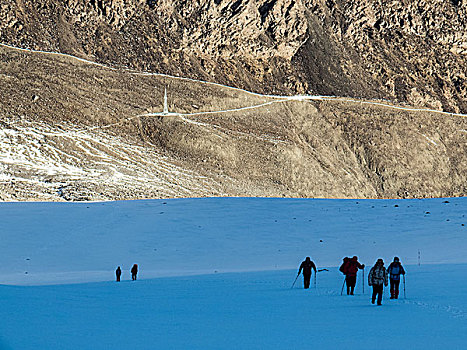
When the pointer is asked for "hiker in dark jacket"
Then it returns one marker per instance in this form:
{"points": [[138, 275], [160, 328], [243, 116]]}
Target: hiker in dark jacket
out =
{"points": [[378, 278], [306, 265], [134, 272], [350, 270], [395, 270], [118, 273]]}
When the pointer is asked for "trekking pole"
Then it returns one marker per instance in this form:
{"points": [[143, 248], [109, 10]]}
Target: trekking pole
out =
{"points": [[314, 281], [363, 279], [343, 284], [294, 281], [403, 276]]}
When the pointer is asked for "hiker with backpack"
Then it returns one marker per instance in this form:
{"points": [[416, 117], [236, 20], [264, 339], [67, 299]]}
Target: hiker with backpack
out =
{"points": [[378, 279], [306, 266], [134, 272], [349, 268], [395, 270]]}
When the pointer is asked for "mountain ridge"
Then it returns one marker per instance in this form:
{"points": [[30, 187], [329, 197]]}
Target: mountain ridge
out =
{"points": [[405, 52]]}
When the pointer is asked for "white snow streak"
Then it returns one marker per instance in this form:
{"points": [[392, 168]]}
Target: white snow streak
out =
{"points": [[433, 142], [39, 153]]}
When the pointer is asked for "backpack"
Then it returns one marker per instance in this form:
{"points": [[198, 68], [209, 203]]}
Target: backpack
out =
{"points": [[344, 266], [352, 267], [395, 270]]}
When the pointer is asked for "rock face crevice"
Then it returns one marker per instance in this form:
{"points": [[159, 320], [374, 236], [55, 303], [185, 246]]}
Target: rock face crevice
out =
{"points": [[407, 52]]}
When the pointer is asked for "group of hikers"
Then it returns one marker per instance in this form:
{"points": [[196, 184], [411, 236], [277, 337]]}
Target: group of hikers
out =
{"points": [[377, 278], [134, 272]]}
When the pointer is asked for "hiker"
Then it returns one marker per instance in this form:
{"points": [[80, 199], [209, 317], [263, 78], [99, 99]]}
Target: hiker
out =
{"points": [[118, 273], [378, 278], [306, 265], [350, 268], [134, 272], [395, 270]]}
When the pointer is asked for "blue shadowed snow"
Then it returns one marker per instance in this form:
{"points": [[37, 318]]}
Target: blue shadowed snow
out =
{"points": [[238, 311], [195, 308], [82, 242]]}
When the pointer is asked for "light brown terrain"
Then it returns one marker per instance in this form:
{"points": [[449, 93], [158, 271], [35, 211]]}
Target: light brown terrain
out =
{"points": [[71, 130]]}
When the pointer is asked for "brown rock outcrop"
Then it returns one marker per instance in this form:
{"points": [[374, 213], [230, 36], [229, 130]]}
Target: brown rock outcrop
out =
{"points": [[406, 51]]}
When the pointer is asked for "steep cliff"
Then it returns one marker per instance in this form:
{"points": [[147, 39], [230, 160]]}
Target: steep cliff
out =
{"points": [[411, 52]]}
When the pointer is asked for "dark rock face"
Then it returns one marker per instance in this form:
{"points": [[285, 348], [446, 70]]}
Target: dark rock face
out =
{"points": [[407, 52]]}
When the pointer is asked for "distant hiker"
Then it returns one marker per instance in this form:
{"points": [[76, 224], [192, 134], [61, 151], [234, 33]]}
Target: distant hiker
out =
{"points": [[118, 273], [350, 268], [378, 278], [306, 265], [134, 272], [395, 270]]}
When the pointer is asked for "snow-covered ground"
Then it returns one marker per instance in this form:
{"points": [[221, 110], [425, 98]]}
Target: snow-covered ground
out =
{"points": [[237, 311], [228, 265]]}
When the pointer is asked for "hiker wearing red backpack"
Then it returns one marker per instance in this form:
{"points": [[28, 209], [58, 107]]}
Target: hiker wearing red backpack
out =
{"points": [[350, 268]]}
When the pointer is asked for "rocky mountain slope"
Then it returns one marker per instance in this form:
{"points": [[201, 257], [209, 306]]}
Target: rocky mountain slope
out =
{"points": [[73, 130], [411, 52]]}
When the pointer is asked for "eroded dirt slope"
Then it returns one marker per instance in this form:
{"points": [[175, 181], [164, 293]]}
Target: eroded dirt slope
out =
{"points": [[71, 130]]}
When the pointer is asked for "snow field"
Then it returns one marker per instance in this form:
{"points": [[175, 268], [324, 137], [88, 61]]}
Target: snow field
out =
{"points": [[211, 297], [84, 242], [255, 310]]}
